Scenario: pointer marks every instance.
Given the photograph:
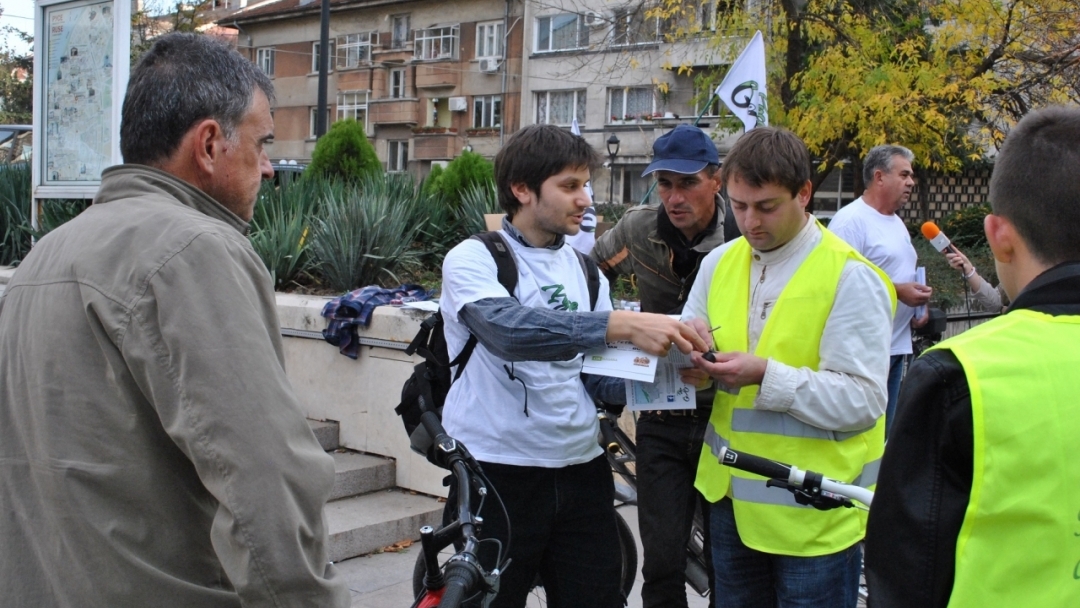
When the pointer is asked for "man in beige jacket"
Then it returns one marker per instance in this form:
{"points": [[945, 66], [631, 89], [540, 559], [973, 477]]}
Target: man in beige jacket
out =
{"points": [[152, 451]]}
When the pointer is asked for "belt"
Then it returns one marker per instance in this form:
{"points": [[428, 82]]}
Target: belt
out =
{"points": [[695, 413]]}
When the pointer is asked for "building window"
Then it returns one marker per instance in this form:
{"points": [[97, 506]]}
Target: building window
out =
{"points": [[399, 31], [397, 156], [487, 112], [631, 26], [629, 103], [560, 107], [312, 115], [397, 83], [316, 57], [353, 50], [561, 32], [264, 58], [353, 104], [436, 42], [489, 39], [705, 95]]}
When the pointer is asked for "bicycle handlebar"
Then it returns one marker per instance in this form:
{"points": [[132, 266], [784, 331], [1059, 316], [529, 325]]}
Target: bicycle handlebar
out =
{"points": [[792, 477]]}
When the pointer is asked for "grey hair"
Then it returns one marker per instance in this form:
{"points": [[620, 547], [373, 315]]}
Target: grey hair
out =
{"points": [[880, 158], [182, 79]]}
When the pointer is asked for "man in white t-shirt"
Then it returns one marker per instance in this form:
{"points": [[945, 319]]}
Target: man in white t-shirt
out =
{"points": [[871, 226], [522, 405]]}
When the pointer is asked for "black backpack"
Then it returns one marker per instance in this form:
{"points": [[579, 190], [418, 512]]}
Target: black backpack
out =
{"points": [[426, 388]]}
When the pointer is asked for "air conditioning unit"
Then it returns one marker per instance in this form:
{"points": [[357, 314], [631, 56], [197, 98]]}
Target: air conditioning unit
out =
{"points": [[594, 19], [458, 104], [489, 65]]}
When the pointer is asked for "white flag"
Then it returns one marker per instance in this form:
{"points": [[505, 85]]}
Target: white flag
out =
{"points": [[743, 89], [584, 240]]}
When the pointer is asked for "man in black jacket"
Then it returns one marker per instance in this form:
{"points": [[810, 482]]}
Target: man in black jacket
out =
{"points": [[972, 505]]}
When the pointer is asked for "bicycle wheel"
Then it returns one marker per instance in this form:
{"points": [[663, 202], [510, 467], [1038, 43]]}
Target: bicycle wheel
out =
{"points": [[627, 570]]}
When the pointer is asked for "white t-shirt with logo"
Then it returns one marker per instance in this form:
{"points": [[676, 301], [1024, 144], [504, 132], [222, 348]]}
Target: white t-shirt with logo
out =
{"points": [[885, 241], [485, 408]]}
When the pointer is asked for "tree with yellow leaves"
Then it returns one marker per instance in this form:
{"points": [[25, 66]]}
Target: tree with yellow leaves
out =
{"points": [[946, 78]]}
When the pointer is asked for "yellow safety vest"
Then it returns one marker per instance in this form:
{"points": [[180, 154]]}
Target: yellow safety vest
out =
{"points": [[1019, 544], [769, 519]]}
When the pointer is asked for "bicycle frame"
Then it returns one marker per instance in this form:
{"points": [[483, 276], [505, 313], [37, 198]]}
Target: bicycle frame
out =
{"points": [[462, 575]]}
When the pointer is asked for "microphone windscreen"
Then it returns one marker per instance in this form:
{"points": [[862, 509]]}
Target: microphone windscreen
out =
{"points": [[930, 230]]}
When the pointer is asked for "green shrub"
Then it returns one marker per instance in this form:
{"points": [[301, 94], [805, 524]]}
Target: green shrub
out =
{"points": [[56, 212], [612, 212], [281, 226], [477, 200], [464, 171], [431, 182], [344, 152], [965, 227], [15, 189], [365, 232]]}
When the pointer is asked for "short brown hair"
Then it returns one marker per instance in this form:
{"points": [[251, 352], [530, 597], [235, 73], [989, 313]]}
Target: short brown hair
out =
{"points": [[1036, 183], [534, 154], [767, 155]]}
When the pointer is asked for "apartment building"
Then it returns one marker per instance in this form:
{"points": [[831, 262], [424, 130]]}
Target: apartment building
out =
{"points": [[611, 66], [427, 79]]}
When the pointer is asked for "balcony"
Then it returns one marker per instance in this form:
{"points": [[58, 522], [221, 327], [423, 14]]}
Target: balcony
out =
{"points": [[435, 143], [441, 74], [394, 111]]}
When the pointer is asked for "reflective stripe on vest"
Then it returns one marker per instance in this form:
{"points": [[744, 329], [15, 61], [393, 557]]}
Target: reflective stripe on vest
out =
{"points": [[1019, 544], [769, 519]]}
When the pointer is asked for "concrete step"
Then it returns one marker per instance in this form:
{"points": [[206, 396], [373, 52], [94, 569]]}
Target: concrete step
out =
{"points": [[362, 524], [326, 432], [356, 473]]}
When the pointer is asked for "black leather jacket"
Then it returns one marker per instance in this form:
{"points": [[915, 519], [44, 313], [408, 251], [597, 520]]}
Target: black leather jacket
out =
{"points": [[926, 474]]}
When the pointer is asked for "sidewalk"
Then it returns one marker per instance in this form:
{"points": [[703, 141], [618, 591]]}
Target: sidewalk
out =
{"points": [[385, 580]]}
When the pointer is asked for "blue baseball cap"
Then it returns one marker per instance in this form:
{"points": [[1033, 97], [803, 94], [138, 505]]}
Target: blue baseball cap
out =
{"points": [[684, 149]]}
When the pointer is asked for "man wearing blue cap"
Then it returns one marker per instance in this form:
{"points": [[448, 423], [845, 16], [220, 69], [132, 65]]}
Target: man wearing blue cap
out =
{"points": [[662, 245]]}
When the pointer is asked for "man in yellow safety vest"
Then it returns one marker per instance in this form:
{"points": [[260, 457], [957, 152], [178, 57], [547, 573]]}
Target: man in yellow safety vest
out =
{"points": [[980, 487], [801, 323]]}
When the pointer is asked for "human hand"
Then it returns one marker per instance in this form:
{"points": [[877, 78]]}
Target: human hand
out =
{"points": [[918, 322], [733, 370], [698, 378], [701, 326], [913, 294], [959, 261], [653, 333]]}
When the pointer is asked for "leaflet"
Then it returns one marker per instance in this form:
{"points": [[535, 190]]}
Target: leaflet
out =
{"points": [[667, 392], [621, 360]]}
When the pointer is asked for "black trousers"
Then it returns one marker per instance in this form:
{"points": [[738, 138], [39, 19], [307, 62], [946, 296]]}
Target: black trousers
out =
{"points": [[563, 527], [668, 450]]}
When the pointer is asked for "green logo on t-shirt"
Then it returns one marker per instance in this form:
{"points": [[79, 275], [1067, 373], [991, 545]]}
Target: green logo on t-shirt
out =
{"points": [[559, 299]]}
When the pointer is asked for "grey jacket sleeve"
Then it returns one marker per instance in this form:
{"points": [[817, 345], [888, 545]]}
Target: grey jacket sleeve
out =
{"points": [[212, 366]]}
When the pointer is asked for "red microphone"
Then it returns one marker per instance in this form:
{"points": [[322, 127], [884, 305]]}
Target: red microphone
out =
{"points": [[937, 238]]}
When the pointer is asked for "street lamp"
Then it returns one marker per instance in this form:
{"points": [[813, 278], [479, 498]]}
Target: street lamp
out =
{"points": [[613, 152]]}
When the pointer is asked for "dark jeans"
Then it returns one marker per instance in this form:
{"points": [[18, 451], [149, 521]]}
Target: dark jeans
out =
{"points": [[563, 527], [746, 578], [896, 375], [668, 450]]}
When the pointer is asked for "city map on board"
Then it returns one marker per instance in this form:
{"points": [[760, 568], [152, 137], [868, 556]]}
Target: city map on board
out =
{"points": [[78, 92]]}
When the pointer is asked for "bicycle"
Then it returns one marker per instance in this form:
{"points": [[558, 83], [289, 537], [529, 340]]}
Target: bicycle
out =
{"points": [[462, 576], [622, 454], [461, 533]]}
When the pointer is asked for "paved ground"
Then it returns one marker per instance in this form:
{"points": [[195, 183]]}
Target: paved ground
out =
{"points": [[385, 580]]}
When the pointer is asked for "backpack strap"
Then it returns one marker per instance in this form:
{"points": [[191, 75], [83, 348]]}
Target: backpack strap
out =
{"points": [[592, 276], [504, 259]]}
